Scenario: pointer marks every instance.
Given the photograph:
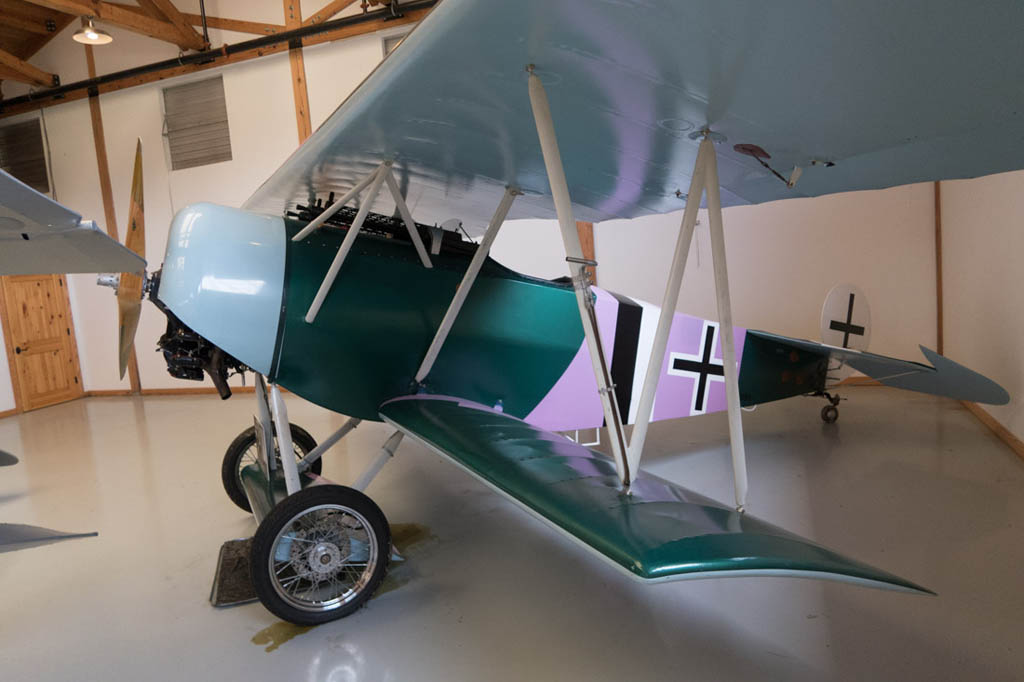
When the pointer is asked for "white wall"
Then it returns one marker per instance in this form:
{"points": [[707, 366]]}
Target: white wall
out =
{"points": [[983, 251], [783, 259]]}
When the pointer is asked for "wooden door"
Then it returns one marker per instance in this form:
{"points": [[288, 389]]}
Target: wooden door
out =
{"points": [[40, 339]]}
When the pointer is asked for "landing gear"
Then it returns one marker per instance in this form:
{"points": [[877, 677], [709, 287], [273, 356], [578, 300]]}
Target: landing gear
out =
{"points": [[320, 554], [320, 550], [829, 413], [243, 451]]}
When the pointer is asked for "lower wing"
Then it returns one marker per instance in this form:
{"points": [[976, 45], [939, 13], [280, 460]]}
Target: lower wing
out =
{"points": [[659, 531], [39, 236]]}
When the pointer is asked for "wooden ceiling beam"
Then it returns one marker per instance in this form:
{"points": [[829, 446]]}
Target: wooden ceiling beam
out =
{"points": [[38, 26], [408, 17], [165, 9], [293, 20], [327, 11], [238, 25], [139, 22], [62, 21], [23, 72]]}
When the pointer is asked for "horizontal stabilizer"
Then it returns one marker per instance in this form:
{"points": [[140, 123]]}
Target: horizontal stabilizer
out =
{"points": [[944, 377], [659, 531], [40, 236]]}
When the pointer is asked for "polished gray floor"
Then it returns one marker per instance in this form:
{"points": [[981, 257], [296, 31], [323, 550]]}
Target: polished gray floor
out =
{"points": [[910, 483]]}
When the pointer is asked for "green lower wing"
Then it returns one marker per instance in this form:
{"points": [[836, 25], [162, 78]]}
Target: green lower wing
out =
{"points": [[659, 531]]}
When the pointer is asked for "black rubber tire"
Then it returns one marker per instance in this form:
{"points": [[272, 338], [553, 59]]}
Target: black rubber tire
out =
{"points": [[829, 414], [241, 444], [281, 515]]}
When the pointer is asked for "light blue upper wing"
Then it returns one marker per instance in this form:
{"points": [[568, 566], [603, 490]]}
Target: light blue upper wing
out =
{"points": [[890, 92], [40, 236]]}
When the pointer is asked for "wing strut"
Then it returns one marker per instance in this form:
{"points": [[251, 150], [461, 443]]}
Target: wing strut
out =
{"points": [[578, 270], [317, 222], [467, 283], [704, 179], [346, 244], [410, 225], [382, 174]]}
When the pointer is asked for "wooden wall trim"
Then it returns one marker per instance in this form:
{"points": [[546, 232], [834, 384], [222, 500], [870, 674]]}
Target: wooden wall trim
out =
{"points": [[1003, 433], [196, 390], [293, 20], [9, 413], [858, 380], [109, 214], [182, 391], [586, 233], [939, 340]]}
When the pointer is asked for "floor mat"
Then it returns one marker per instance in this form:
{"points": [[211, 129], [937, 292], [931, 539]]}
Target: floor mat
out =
{"points": [[231, 583]]}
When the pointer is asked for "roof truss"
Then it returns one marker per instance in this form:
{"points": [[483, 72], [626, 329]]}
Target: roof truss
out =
{"points": [[165, 9], [16, 69], [137, 21]]}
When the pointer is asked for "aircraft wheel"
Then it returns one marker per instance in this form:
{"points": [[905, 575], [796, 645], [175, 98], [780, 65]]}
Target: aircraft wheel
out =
{"points": [[320, 554], [242, 452], [829, 414]]}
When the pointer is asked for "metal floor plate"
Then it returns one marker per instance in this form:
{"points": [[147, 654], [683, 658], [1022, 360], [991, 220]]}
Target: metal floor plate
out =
{"points": [[232, 584]]}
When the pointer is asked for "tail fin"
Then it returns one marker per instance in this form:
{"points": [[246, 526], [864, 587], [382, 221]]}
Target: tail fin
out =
{"points": [[846, 318]]}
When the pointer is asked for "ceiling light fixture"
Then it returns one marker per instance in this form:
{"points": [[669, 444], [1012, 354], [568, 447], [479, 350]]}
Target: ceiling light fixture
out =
{"points": [[90, 34]]}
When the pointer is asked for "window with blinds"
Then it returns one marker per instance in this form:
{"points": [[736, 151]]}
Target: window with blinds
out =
{"points": [[196, 123], [23, 155]]}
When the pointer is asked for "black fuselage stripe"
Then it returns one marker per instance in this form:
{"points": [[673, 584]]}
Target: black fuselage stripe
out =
{"points": [[624, 350]]}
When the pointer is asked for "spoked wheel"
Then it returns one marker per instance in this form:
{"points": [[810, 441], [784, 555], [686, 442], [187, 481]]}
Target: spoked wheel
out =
{"points": [[320, 554], [829, 414], [242, 452]]}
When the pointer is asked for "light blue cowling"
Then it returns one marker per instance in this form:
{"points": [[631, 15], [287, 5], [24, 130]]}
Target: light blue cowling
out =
{"points": [[223, 276]]}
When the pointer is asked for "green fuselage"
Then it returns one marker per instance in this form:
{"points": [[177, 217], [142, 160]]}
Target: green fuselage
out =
{"points": [[512, 340]]}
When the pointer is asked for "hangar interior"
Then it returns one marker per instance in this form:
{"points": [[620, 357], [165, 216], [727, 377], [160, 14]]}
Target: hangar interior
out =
{"points": [[924, 486]]}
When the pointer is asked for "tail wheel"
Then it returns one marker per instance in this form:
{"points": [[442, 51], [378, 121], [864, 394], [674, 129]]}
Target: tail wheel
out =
{"points": [[320, 554], [242, 452], [829, 414]]}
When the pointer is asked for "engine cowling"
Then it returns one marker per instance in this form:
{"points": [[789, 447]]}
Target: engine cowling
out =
{"points": [[221, 285]]}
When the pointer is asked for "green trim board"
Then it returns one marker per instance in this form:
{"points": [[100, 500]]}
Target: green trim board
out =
{"points": [[659, 531]]}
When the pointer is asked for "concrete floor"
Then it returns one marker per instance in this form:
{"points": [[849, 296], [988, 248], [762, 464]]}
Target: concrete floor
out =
{"points": [[910, 483]]}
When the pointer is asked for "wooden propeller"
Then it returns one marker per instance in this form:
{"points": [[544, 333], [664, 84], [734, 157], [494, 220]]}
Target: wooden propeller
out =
{"points": [[129, 290]]}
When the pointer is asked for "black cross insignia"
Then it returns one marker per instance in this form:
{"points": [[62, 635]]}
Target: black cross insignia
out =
{"points": [[845, 327], [703, 368]]}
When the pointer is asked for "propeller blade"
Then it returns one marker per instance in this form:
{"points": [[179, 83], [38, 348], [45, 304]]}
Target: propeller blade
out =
{"points": [[136, 237], [128, 313], [129, 291]]}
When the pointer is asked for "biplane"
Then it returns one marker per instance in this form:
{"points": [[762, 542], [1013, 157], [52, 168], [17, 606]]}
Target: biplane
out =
{"points": [[335, 282]]}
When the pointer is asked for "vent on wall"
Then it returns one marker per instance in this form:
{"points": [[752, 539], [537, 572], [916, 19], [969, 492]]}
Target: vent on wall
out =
{"points": [[196, 123], [22, 154]]}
